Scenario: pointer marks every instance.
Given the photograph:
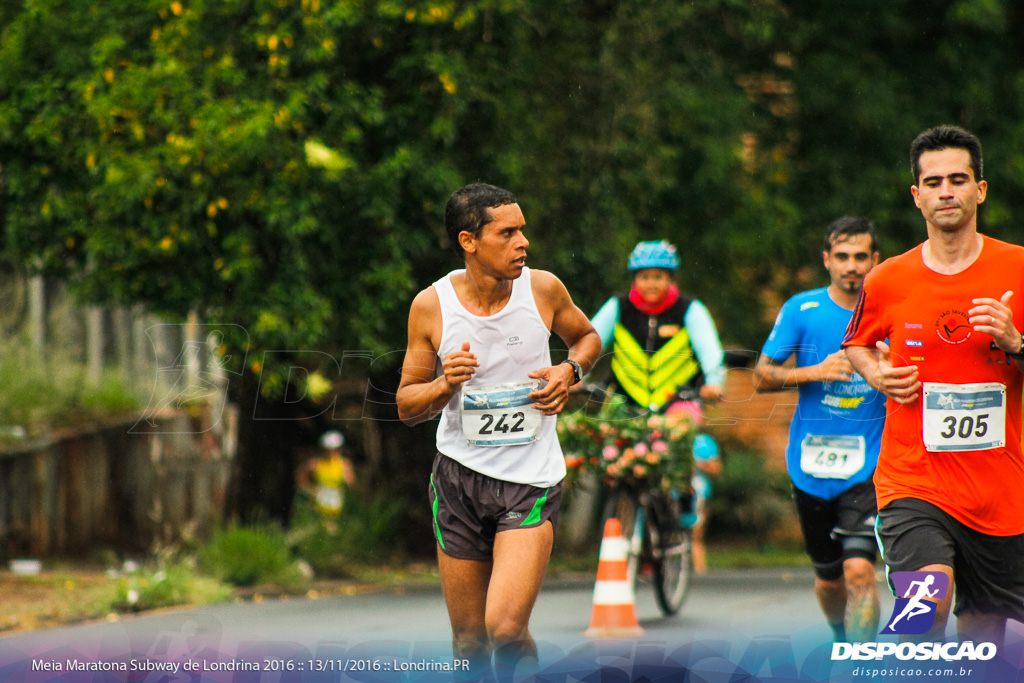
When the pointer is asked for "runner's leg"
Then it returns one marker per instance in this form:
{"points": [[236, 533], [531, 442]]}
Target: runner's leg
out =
{"points": [[938, 629], [831, 596], [981, 628], [520, 560], [464, 583], [862, 604]]}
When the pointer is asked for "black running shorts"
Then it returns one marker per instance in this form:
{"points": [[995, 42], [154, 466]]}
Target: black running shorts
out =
{"points": [[988, 571], [470, 508], [838, 529]]}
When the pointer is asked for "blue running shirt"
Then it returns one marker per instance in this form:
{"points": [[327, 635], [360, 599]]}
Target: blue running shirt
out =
{"points": [[823, 446]]}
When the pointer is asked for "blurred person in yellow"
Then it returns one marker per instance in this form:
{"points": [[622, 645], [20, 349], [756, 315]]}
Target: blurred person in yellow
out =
{"points": [[326, 477]]}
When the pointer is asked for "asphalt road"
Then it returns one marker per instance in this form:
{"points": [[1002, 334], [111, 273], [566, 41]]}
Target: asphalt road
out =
{"points": [[730, 615]]}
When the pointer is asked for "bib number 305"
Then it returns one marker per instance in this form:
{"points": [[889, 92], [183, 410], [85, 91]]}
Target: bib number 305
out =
{"points": [[964, 417], [500, 415]]}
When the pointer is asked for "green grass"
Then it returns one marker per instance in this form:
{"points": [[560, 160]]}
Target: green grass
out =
{"points": [[37, 394], [153, 588], [247, 556], [746, 556]]}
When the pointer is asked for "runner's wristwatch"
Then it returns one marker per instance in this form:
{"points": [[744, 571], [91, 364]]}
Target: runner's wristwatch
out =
{"points": [[1020, 354], [577, 371]]}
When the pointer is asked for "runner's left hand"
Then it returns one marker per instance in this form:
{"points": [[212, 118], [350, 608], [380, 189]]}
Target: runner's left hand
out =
{"points": [[995, 318], [551, 398]]}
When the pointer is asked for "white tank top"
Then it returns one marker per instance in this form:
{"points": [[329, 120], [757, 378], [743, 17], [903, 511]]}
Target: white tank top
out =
{"points": [[508, 345]]}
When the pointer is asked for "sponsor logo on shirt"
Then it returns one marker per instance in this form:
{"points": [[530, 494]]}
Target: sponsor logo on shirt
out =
{"points": [[915, 342], [913, 326], [842, 402], [809, 304], [952, 327], [917, 358]]}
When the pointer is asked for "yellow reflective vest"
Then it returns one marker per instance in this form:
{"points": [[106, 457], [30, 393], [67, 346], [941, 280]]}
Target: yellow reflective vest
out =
{"points": [[652, 356]]}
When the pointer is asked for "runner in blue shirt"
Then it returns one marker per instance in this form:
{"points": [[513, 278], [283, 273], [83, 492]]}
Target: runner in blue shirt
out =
{"points": [[835, 434]]}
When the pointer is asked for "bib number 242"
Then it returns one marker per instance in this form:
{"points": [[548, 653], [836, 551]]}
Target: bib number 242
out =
{"points": [[512, 425], [500, 414]]}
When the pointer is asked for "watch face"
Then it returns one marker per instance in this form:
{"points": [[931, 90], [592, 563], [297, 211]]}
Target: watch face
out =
{"points": [[577, 371]]}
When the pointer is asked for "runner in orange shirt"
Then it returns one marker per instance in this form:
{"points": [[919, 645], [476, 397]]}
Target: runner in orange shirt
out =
{"points": [[934, 331]]}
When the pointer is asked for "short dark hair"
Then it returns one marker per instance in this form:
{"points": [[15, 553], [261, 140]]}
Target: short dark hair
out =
{"points": [[945, 137], [467, 210], [847, 226]]}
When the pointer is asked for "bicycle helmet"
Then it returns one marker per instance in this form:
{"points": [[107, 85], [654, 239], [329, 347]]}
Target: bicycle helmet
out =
{"points": [[654, 254]]}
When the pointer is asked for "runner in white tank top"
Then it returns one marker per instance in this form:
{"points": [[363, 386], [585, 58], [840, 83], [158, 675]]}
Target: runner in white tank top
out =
{"points": [[478, 352], [508, 344]]}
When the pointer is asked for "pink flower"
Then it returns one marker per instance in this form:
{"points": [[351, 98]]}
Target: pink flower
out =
{"points": [[641, 448], [610, 452], [659, 447]]}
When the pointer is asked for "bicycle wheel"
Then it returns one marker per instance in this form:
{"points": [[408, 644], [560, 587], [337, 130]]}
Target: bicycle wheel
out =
{"points": [[672, 568], [624, 506]]}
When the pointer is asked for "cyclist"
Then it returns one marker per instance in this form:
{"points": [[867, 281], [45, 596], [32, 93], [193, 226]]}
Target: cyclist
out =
{"points": [[666, 351]]}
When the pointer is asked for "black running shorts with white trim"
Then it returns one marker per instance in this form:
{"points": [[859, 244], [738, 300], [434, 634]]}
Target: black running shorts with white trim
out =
{"points": [[838, 529], [988, 571], [469, 508]]}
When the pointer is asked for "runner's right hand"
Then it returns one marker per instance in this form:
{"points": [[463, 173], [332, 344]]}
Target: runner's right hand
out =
{"points": [[459, 367], [898, 383], [836, 367]]}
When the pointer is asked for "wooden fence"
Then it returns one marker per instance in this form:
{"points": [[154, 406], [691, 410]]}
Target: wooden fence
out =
{"points": [[122, 487]]}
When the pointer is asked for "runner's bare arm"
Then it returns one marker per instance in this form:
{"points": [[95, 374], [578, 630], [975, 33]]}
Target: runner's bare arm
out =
{"points": [[421, 395], [571, 324], [995, 318], [901, 383], [770, 375]]}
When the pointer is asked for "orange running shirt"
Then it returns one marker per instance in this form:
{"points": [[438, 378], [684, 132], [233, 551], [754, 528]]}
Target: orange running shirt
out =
{"points": [[923, 314]]}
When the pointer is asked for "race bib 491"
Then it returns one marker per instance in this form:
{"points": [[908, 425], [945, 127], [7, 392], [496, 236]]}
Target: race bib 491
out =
{"points": [[832, 457]]}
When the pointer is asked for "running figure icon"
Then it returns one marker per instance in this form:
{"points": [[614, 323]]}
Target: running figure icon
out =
{"points": [[917, 597], [915, 606]]}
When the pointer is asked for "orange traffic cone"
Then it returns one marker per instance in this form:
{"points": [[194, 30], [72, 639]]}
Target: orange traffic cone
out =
{"points": [[614, 614]]}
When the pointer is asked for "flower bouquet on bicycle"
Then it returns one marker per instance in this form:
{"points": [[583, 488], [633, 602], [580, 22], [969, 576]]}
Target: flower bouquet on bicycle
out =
{"points": [[646, 460], [625, 445]]}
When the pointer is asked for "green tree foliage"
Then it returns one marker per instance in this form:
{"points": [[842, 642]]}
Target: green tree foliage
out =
{"points": [[282, 165], [866, 87]]}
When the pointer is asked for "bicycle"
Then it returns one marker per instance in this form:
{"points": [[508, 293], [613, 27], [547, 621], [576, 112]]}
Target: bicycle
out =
{"points": [[654, 537], [648, 509]]}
